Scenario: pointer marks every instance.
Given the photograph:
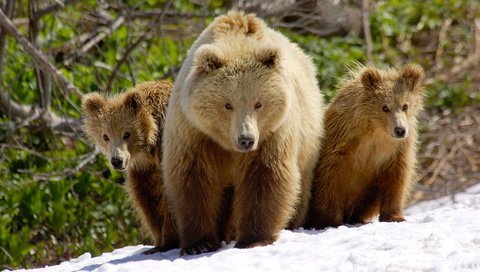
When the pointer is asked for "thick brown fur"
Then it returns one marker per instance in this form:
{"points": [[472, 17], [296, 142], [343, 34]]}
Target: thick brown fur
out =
{"points": [[139, 112], [241, 78], [365, 168]]}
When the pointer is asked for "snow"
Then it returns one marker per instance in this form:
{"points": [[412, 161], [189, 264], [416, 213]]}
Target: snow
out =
{"points": [[439, 235]]}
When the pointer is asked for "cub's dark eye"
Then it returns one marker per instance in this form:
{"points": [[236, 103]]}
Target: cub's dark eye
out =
{"points": [[105, 137], [405, 107], [126, 135], [385, 109], [228, 106], [258, 105]]}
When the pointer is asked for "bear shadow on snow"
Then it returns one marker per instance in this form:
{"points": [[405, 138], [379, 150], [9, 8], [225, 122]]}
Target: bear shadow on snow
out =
{"points": [[170, 255]]}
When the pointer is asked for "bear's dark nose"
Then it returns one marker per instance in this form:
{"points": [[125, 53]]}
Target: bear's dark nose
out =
{"points": [[245, 142], [117, 162], [400, 132]]}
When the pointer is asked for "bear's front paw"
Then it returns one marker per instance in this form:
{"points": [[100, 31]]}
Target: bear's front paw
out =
{"points": [[153, 250], [199, 249], [249, 243], [391, 218]]}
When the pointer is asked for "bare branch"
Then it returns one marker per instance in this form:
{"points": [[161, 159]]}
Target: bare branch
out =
{"points": [[58, 5], [321, 18], [24, 114], [169, 14], [28, 150], [40, 59], [43, 80], [450, 155], [441, 42], [68, 126], [14, 110], [476, 52], [58, 175], [100, 36], [150, 28], [9, 8], [472, 60], [366, 28], [27, 113]]}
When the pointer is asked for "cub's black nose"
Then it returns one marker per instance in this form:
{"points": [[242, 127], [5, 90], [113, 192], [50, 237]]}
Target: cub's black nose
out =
{"points": [[400, 132], [117, 162], [245, 142]]}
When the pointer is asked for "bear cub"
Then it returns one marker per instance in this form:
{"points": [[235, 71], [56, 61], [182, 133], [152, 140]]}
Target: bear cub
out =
{"points": [[368, 156], [127, 128]]}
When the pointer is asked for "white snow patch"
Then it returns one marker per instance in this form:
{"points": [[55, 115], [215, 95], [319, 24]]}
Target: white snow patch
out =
{"points": [[440, 235]]}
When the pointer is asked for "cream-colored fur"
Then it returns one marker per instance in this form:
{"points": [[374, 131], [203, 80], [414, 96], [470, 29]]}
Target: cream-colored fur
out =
{"points": [[241, 78]]}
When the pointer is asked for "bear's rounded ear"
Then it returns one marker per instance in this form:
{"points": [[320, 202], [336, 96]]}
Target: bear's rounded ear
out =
{"points": [[412, 76], [371, 79], [269, 56], [133, 101], [208, 58], [93, 103]]}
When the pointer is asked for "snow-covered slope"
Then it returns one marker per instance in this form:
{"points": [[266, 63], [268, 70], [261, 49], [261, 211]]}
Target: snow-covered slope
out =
{"points": [[440, 235]]}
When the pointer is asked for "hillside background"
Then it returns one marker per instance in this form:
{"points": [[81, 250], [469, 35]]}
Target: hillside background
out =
{"points": [[58, 196]]}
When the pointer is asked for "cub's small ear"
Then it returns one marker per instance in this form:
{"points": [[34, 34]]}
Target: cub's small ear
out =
{"points": [[412, 75], [269, 56], [133, 101], [93, 103], [208, 58], [371, 79]]}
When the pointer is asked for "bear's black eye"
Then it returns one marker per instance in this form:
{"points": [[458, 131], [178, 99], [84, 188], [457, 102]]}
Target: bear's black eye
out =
{"points": [[228, 106], [105, 137], [126, 135], [258, 105], [385, 109], [405, 107]]}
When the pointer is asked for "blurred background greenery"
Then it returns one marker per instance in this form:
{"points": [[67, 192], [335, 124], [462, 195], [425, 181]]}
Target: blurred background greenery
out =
{"points": [[58, 196]]}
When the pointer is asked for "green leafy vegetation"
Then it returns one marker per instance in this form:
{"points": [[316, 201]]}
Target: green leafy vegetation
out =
{"points": [[50, 210]]}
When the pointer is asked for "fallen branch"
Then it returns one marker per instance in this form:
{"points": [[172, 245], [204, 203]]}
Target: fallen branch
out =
{"points": [[14, 110], [24, 114]]}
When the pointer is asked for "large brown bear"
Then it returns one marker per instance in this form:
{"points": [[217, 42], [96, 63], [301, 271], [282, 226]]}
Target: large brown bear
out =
{"points": [[245, 111], [368, 156], [128, 128]]}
